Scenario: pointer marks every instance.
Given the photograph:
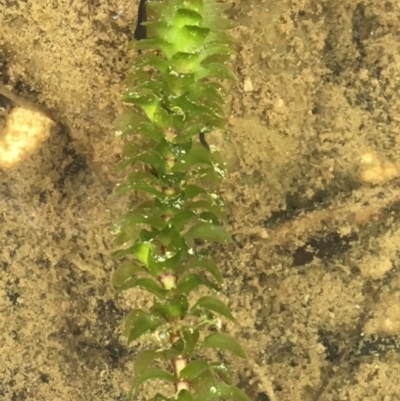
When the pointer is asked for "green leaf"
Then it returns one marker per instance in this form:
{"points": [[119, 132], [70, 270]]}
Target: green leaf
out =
{"points": [[174, 309], [126, 187], [145, 206], [191, 281], [161, 397], [148, 99], [172, 179], [151, 374], [143, 360], [224, 341], [146, 60], [200, 122], [184, 395], [174, 351], [195, 5], [147, 158], [204, 381], [209, 90], [147, 236], [222, 390], [185, 16], [191, 337], [170, 239], [154, 43], [158, 265], [190, 38], [141, 179], [140, 251], [208, 232], [223, 23], [216, 70], [218, 36], [212, 304], [125, 238], [222, 371], [191, 128], [206, 264], [130, 149], [147, 323], [197, 155], [151, 218], [191, 191], [160, 11], [181, 219], [216, 50], [205, 205], [143, 251], [178, 84], [124, 272], [185, 63], [210, 218], [149, 102], [215, 9], [150, 131], [136, 176], [131, 318], [219, 165], [133, 80], [186, 108], [207, 99], [209, 175], [120, 253], [146, 84], [194, 106], [146, 283], [128, 122], [194, 369]]}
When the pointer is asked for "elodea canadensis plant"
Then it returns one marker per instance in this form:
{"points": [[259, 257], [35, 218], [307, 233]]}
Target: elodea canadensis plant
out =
{"points": [[176, 98]]}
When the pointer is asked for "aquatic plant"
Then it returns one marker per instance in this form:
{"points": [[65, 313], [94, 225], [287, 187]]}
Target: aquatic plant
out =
{"points": [[176, 98]]}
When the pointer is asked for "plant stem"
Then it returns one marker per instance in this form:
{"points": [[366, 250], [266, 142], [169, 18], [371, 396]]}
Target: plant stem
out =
{"points": [[176, 100], [168, 282]]}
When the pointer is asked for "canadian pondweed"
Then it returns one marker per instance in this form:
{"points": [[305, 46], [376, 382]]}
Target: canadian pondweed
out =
{"points": [[176, 98]]}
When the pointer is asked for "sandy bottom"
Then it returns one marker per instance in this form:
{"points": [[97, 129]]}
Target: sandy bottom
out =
{"points": [[313, 197]]}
